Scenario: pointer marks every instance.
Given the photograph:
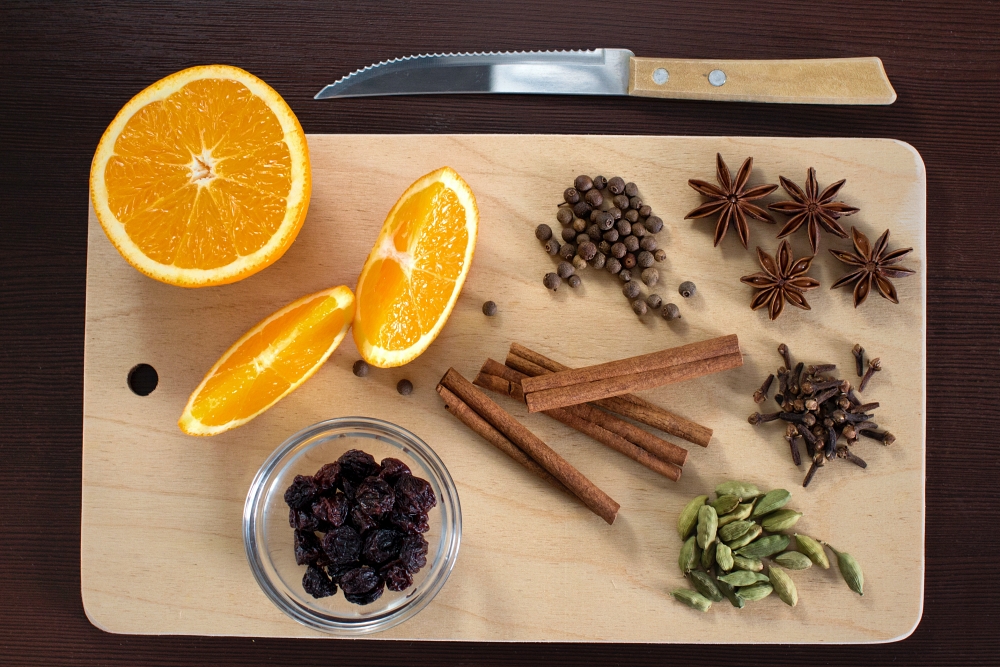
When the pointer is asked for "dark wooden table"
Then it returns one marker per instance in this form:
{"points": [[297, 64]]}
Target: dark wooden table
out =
{"points": [[66, 70]]}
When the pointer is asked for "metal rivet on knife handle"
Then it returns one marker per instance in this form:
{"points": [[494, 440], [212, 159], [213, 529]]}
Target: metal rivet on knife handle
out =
{"points": [[660, 76], [717, 77]]}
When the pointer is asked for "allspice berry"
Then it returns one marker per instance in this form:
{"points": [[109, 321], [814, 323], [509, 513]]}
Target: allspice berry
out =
{"points": [[360, 368], [568, 233], [611, 235], [616, 185], [579, 263], [687, 289], [579, 225], [654, 224], [600, 182], [552, 247], [636, 203], [625, 276], [605, 221], [583, 183], [631, 216], [581, 239], [571, 196], [639, 230], [599, 260], [604, 247], [645, 211], [564, 216], [618, 250], [620, 201], [654, 301], [648, 243], [564, 270], [594, 232], [644, 259], [629, 261], [594, 197], [551, 281], [613, 266], [581, 209], [660, 254], [650, 276], [623, 227], [671, 312], [631, 289], [574, 281], [639, 307], [631, 190], [587, 250], [404, 387], [489, 309], [567, 250], [631, 243], [543, 232], [615, 213]]}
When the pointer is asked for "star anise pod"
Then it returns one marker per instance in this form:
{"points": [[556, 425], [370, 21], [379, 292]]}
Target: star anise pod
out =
{"points": [[731, 201], [874, 265], [813, 207], [782, 280]]}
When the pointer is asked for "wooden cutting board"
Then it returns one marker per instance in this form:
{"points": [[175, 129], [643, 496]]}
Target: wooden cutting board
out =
{"points": [[161, 523]]}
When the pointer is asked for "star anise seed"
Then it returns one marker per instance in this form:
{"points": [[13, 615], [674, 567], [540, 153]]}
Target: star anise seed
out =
{"points": [[813, 208], [731, 201], [874, 265], [782, 280]]}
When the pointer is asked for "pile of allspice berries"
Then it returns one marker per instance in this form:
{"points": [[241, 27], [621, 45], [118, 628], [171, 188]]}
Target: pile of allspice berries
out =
{"points": [[727, 542], [606, 225]]}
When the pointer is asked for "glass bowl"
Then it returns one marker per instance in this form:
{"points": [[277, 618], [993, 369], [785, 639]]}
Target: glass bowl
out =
{"points": [[268, 537]]}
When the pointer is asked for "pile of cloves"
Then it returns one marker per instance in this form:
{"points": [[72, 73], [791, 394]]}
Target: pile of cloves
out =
{"points": [[822, 410]]}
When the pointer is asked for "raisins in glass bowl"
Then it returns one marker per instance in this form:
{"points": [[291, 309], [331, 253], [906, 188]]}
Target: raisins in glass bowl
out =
{"points": [[396, 576], [342, 545], [328, 477], [375, 496], [307, 547], [408, 523], [382, 545], [302, 520], [301, 493], [317, 584], [414, 495], [362, 521], [413, 553], [355, 465], [359, 580], [393, 469], [365, 598], [332, 510]]}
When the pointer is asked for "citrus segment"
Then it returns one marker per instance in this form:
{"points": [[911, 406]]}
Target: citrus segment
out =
{"points": [[269, 361], [202, 178], [414, 274]]}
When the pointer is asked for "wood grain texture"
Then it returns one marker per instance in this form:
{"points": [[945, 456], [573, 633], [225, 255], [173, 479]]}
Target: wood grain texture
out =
{"points": [[66, 70], [563, 575]]}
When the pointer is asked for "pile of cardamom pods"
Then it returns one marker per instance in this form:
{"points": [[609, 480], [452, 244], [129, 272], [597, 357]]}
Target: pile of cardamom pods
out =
{"points": [[729, 540]]}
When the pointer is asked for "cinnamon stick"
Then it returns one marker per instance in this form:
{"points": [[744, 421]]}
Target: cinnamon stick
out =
{"points": [[532, 363], [482, 427], [644, 363], [595, 499], [624, 384]]}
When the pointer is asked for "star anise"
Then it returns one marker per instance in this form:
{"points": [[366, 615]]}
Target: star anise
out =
{"points": [[875, 265], [782, 280], [813, 207], [731, 201]]}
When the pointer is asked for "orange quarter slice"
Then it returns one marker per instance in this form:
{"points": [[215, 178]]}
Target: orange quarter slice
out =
{"points": [[269, 362], [414, 274]]}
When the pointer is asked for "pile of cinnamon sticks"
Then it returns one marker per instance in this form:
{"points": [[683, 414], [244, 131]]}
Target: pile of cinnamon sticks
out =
{"points": [[586, 399]]}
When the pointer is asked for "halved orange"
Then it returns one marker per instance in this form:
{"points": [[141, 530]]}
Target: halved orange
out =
{"points": [[413, 276], [268, 362], [202, 178]]}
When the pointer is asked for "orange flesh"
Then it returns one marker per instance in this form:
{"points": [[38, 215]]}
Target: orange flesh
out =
{"points": [[429, 233], [212, 152]]}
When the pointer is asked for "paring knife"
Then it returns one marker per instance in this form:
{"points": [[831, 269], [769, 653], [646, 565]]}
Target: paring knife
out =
{"points": [[619, 72]]}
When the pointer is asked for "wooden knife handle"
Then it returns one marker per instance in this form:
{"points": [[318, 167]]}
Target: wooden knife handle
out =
{"points": [[825, 81]]}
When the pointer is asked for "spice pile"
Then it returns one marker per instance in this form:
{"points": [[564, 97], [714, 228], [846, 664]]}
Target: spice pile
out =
{"points": [[821, 410], [732, 537], [372, 515]]}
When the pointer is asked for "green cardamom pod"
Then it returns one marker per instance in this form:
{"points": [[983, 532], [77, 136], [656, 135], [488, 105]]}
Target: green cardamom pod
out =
{"points": [[775, 522], [704, 584], [746, 538], [783, 585], [793, 560], [731, 594], [708, 524], [741, 490], [725, 504], [739, 514], [850, 570], [743, 563], [692, 599], [688, 560], [689, 517], [743, 578], [724, 557], [813, 549], [734, 530], [755, 592], [708, 556], [765, 546], [773, 500]]}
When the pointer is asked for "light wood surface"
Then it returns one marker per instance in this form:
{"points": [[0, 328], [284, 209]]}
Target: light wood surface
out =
{"points": [[161, 520], [819, 81]]}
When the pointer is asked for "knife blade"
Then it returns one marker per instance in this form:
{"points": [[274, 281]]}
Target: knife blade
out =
{"points": [[620, 72]]}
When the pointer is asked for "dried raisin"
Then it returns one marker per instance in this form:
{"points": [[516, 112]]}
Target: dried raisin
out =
{"points": [[414, 553], [382, 545], [317, 584], [327, 477], [408, 523], [375, 496], [307, 547], [359, 580], [331, 510], [365, 598], [302, 520], [396, 576], [362, 521], [414, 495], [301, 493], [393, 469], [342, 545], [355, 465]]}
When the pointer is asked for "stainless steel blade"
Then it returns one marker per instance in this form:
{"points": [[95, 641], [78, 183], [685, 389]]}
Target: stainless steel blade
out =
{"points": [[597, 72]]}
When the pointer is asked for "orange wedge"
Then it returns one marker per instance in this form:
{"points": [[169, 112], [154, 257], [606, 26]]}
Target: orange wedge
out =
{"points": [[269, 362], [202, 178], [412, 278]]}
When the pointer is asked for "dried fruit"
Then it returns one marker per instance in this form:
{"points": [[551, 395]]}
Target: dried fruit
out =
{"points": [[317, 584], [413, 553], [393, 469], [301, 492], [382, 545], [396, 576], [328, 476], [414, 495], [692, 599], [873, 266], [307, 547], [359, 580], [333, 510], [783, 279], [356, 465], [375, 496], [342, 545], [731, 200], [302, 520], [813, 208]]}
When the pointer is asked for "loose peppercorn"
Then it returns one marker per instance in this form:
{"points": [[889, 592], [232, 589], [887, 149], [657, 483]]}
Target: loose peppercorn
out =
{"points": [[567, 250], [611, 235], [636, 203], [620, 201], [631, 190], [564, 216], [631, 289], [616, 185], [579, 225], [564, 270], [604, 247], [644, 259], [587, 250], [618, 250], [360, 368], [629, 261], [581, 209], [639, 307], [404, 387], [600, 182], [631, 216], [543, 232], [615, 213], [579, 263], [574, 281], [613, 266], [624, 227], [552, 247], [594, 197], [654, 224], [568, 233], [571, 196], [648, 243], [631, 243], [489, 309], [650, 276], [583, 183], [671, 312], [625, 275], [645, 211], [551, 280], [660, 254], [654, 301], [594, 232], [581, 239], [599, 260], [687, 289]]}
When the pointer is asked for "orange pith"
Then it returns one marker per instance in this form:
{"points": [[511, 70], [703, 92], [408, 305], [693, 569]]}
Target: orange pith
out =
{"points": [[202, 178], [269, 362], [416, 270]]}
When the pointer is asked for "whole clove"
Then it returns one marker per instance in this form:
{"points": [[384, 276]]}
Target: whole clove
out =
{"points": [[859, 358], [792, 436], [874, 366], [760, 395]]}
